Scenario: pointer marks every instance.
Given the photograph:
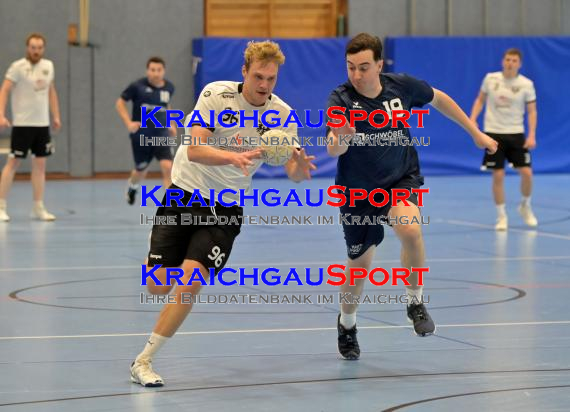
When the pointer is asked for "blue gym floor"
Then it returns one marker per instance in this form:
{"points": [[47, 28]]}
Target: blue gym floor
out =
{"points": [[71, 320]]}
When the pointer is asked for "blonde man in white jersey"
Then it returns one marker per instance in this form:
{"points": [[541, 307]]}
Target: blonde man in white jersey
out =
{"points": [[30, 80], [506, 95], [214, 168]]}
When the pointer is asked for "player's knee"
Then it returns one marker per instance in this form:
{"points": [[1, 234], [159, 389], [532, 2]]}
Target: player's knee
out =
{"points": [[410, 234], [13, 163], [39, 166], [525, 171], [190, 288], [499, 175], [158, 290], [161, 287], [194, 286]]}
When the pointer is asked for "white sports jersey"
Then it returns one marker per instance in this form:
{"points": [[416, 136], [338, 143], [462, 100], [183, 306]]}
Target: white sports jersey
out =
{"points": [[216, 97], [506, 102], [30, 93]]}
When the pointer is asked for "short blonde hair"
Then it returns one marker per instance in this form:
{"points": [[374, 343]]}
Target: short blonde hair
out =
{"points": [[264, 51]]}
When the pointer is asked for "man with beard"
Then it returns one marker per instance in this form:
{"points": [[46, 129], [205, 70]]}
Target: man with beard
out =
{"points": [[30, 80]]}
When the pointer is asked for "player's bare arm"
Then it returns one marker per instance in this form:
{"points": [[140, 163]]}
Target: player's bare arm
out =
{"points": [[4, 92], [338, 146], [212, 156], [121, 106], [530, 142], [54, 107], [449, 108], [478, 105]]}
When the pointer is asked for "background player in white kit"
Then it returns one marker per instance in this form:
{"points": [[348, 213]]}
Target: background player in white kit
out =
{"points": [[207, 167], [506, 94], [30, 80]]}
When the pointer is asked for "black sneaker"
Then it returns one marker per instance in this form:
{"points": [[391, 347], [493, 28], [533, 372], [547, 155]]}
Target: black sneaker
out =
{"points": [[347, 342], [419, 316], [131, 195]]}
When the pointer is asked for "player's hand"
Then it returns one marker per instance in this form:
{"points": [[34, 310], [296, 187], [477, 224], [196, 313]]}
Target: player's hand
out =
{"points": [[245, 159], [4, 123], [133, 127], [483, 141], [530, 143], [56, 124], [344, 130], [304, 162], [172, 131]]}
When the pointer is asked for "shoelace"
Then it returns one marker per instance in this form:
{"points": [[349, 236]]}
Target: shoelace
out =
{"points": [[418, 313]]}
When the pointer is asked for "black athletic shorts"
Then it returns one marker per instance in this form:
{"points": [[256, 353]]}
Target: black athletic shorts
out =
{"points": [[196, 235], [359, 237], [30, 138], [143, 155], [511, 147]]}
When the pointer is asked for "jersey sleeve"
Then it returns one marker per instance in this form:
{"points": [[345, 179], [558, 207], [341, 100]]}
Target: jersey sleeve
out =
{"points": [[129, 93], [485, 85], [530, 93], [419, 90], [200, 116], [333, 100], [13, 74]]}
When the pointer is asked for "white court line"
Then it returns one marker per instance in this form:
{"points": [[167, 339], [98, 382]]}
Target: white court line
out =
{"points": [[483, 226], [223, 332], [297, 263]]}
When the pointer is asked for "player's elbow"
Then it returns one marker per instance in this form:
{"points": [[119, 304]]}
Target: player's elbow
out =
{"points": [[191, 153]]}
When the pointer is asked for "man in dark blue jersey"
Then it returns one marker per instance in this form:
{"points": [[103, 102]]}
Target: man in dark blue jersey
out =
{"points": [[148, 92], [388, 166]]}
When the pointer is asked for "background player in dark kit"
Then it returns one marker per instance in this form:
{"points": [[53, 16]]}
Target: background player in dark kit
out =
{"points": [[149, 92]]}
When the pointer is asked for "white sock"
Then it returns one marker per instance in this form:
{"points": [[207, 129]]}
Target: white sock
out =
{"points": [[133, 185], [501, 211], [152, 346], [415, 296], [39, 204], [348, 320], [525, 201], [3, 204]]}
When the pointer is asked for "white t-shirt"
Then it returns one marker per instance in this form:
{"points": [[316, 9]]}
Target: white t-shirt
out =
{"points": [[216, 97], [506, 102], [30, 93]]}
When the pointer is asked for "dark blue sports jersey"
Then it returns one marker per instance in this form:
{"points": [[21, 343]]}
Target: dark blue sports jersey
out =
{"points": [[367, 164], [142, 93]]}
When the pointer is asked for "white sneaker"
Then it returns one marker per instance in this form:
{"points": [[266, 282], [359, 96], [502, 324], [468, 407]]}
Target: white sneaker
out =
{"points": [[528, 217], [4, 216], [502, 223], [142, 373], [40, 213]]}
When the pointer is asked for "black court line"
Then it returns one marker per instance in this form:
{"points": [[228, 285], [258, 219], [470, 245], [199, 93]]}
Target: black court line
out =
{"points": [[15, 295], [439, 398], [153, 392], [292, 292]]}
